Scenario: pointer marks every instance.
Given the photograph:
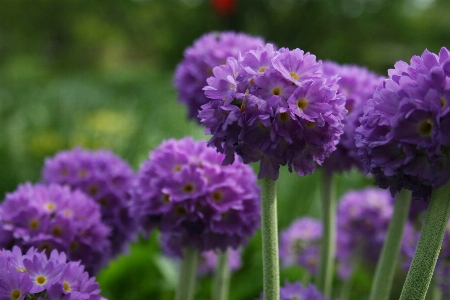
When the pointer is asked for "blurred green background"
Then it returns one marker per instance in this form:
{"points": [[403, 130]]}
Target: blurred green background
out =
{"points": [[99, 73]]}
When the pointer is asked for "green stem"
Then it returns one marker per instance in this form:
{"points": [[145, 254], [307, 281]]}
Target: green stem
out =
{"points": [[434, 291], [328, 245], [221, 283], [385, 271], [269, 231], [188, 275], [430, 241]]}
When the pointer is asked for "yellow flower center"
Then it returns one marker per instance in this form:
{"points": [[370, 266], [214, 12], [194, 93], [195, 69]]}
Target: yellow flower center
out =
{"points": [[443, 102], [68, 213], [262, 69], [103, 201], [50, 206], [188, 188], [41, 279], [45, 247], [310, 124], [66, 287], [425, 128], [177, 168], [92, 190], [56, 231], [165, 199], [180, 210], [74, 246], [276, 91], [283, 117], [302, 103], [294, 75], [82, 173], [34, 224], [217, 196], [15, 294]]}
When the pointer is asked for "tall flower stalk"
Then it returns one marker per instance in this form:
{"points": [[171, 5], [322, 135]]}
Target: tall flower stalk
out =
{"points": [[387, 264], [187, 275], [328, 244], [422, 267], [221, 284], [269, 230], [357, 84]]}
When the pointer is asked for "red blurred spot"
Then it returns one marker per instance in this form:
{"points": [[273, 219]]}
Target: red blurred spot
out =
{"points": [[224, 7]]}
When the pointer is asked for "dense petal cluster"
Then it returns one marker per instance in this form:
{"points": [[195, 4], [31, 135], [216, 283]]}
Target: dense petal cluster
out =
{"points": [[404, 137], [107, 179], [49, 217], [357, 84], [210, 50], [195, 201], [275, 107], [295, 291], [300, 244], [363, 217], [34, 275], [208, 261]]}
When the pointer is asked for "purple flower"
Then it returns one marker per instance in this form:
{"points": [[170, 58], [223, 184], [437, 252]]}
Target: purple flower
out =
{"points": [[195, 201], [300, 244], [208, 51], [295, 291], [273, 107], [362, 220], [357, 84], [106, 178], [208, 261], [53, 217], [404, 136], [44, 277]]}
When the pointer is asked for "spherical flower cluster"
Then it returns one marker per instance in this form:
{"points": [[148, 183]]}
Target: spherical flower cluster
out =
{"points": [[33, 275], [208, 261], [195, 201], [210, 50], [274, 107], [404, 137], [357, 84], [54, 217], [363, 217], [107, 179], [295, 291], [300, 244]]}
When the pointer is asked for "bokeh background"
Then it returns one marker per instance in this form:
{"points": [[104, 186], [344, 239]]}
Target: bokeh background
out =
{"points": [[99, 74]]}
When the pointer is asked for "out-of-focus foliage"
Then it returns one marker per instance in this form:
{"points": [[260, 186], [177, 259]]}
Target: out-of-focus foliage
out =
{"points": [[95, 34], [98, 74]]}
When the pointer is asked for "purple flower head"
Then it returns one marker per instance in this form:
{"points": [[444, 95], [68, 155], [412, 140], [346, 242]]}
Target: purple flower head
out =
{"points": [[362, 220], [295, 291], [404, 136], [357, 84], [44, 277], [208, 261], [104, 177], [210, 50], [50, 217], [195, 201], [273, 107], [300, 244]]}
